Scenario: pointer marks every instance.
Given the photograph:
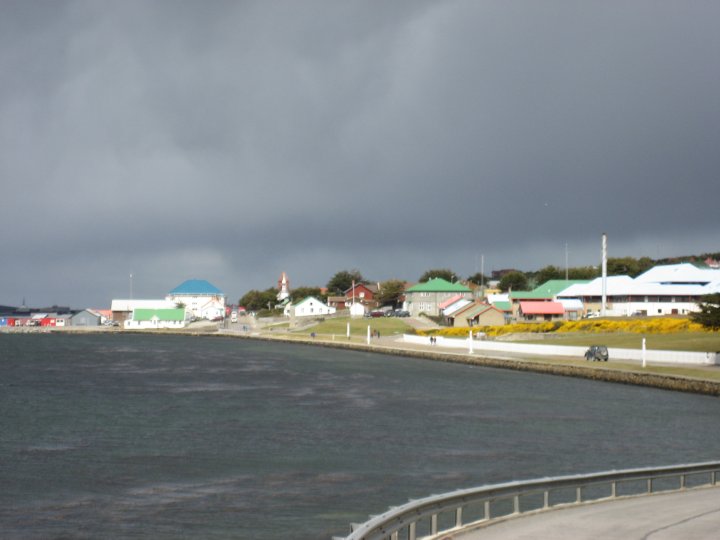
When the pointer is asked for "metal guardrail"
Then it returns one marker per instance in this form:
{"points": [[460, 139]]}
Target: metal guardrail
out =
{"points": [[440, 514]]}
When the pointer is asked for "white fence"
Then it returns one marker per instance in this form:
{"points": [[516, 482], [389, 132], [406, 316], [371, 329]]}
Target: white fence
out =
{"points": [[651, 356]]}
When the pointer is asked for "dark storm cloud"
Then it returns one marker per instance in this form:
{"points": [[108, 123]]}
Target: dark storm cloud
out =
{"points": [[234, 140]]}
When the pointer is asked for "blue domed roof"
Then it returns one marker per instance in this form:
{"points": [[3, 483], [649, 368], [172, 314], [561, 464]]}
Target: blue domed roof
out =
{"points": [[197, 287]]}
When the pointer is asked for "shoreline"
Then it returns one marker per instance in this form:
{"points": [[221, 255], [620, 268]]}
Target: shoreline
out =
{"points": [[676, 383], [621, 376]]}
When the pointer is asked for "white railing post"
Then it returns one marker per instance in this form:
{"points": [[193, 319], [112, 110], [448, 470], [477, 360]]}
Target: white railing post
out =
{"points": [[458, 517], [434, 524], [412, 531]]}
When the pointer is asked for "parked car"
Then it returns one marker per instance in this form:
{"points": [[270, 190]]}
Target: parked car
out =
{"points": [[402, 313], [597, 353]]}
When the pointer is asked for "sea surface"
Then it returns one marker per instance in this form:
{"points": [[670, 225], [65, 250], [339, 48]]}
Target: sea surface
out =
{"points": [[175, 437]]}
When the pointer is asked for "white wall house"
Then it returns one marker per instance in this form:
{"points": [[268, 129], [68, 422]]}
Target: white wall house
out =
{"points": [[357, 310], [202, 299], [122, 309], [153, 319], [308, 307], [663, 290]]}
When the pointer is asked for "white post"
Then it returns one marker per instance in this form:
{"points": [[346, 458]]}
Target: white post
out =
{"points": [[644, 362], [604, 275], [470, 343], [348, 330], [368, 336]]}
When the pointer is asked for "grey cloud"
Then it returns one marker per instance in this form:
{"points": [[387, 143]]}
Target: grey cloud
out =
{"points": [[235, 137]]}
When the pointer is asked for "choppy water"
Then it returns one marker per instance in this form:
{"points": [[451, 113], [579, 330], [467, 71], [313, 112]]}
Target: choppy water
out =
{"points": [[165, 437]]}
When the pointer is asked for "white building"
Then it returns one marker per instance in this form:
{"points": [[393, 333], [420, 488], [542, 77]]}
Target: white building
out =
{"points": [[153, 319], [283, 288], [308, 307], [122, 309], [356, 310], [200, 298], [663, 290]]}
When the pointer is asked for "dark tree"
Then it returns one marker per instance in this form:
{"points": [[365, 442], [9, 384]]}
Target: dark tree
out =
{"points": [[343, 280], [628, 266], [548, 273], [709, 314], [299, 293], [517, 281], [256, 300], [444, 273], [478, 279], [583, 272], [391, 292]]}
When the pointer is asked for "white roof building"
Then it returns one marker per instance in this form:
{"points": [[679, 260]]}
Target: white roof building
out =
{"points": [[456, 306], [308, 307], [680, 274], [662, 290]]}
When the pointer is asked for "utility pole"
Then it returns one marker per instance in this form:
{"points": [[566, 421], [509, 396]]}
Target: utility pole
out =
{"points": [[604, 275]]}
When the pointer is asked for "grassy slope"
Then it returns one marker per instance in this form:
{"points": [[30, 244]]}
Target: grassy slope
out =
{"points": [[358, 327], [682, 341]]}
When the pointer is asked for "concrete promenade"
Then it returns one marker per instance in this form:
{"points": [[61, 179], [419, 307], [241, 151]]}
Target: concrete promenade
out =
{"points": [[687, 515]]}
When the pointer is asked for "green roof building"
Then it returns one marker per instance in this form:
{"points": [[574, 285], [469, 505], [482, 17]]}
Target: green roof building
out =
{"points": [[548, 290], [156, 318], [425, 297]]}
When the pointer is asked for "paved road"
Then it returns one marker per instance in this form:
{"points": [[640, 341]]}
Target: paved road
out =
{"points": [[689, 515]]}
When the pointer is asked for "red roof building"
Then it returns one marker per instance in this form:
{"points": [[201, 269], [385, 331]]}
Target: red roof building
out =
{"points": [[541, 311]]}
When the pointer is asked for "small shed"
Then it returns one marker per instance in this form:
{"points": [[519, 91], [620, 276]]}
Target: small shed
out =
{"points": [[478, 314], [541, 311], [86, 317]]}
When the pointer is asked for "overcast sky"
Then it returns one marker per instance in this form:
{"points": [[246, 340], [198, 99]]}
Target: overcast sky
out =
{"points": [[231, 141]]}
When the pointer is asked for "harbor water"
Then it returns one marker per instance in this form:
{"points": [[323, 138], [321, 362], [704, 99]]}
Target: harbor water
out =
{"points": [[173, 437]]}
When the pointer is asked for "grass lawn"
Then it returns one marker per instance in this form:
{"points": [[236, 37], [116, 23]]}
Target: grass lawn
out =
{"points": [[683, 341], [358, 327]]}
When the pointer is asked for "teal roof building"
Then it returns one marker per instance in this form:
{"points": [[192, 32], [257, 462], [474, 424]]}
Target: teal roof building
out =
{"points": [[196, 287]]}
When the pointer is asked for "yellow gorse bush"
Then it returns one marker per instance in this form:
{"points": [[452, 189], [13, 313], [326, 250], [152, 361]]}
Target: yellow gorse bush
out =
{"points": [[655, 325]]}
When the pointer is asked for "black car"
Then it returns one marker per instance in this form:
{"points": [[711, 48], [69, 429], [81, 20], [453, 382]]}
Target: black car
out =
{"points": [[597, 353]]}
